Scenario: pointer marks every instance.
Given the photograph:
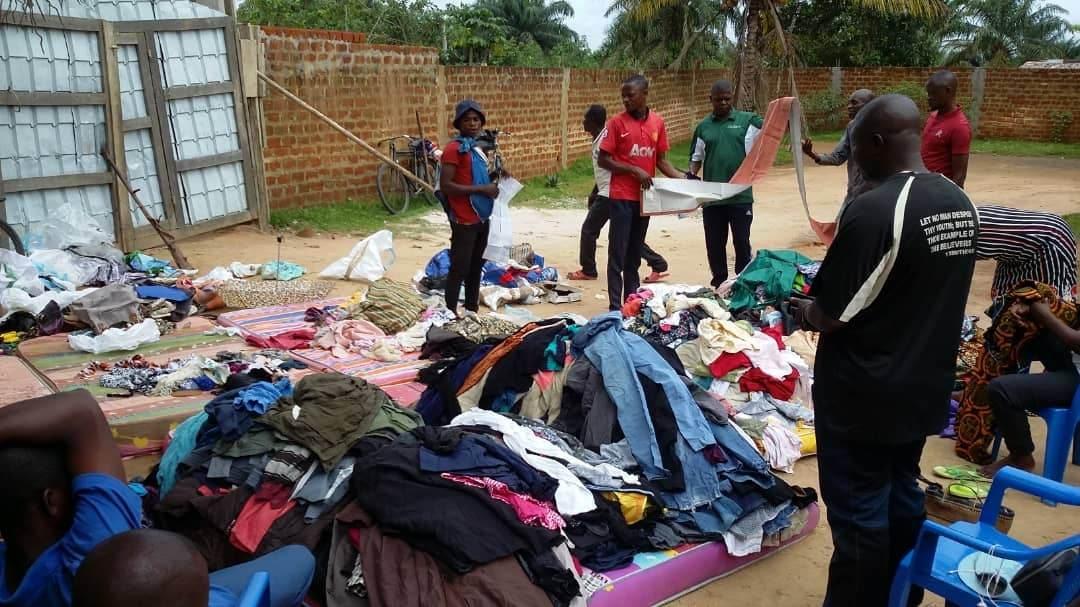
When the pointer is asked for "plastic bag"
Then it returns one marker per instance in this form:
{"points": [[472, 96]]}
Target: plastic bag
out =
{"points": [[368, 261], [66, 266], [112, 340], [501, 237], [17, 300], [66, 226], [19, 272]]}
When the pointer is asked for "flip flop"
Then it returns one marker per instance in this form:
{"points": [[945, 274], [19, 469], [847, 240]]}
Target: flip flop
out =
{"points": [[656, 277], [579, 275], [961, 473], [968, 491]]}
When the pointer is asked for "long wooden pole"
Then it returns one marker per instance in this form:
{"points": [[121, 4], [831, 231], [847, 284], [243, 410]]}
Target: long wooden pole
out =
{"points": [[348, 134]]}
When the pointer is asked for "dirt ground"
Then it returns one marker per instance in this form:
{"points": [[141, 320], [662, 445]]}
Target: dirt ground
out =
{"points": [[796, 576]]}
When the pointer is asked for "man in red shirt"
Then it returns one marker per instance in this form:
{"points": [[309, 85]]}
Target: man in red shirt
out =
{"points": [[632, 147], [946, 138]]}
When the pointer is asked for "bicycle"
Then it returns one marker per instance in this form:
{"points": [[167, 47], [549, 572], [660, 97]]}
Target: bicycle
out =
{"points": [[489, 143], [395, 189], [9, 238]]}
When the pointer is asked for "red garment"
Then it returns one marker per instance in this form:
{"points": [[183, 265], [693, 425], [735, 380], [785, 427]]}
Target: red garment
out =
{"points": [[290, 340], [756, 380], [254, 521], [632, 307], [945, 136], [777, 333], [355, 537], [727, 362], [459, 205], [636, 142]]}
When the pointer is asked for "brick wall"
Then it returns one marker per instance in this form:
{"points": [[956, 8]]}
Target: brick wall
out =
{"points": [[374, 90]]}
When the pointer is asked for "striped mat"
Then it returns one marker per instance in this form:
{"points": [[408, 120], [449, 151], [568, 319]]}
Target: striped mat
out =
{"points": [[398, 379], [138, 421]]}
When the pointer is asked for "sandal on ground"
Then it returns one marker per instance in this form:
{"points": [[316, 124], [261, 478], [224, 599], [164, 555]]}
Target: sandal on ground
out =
{"points": [[656, 277], [961, 473], [579, 275], [968, 491]]}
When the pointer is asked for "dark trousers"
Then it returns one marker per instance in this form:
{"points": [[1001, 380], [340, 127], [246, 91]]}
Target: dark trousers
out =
{"points": [[875, 509], [598, 215], [467, 244], [719, 218], [626, 234], [1012, 396]]}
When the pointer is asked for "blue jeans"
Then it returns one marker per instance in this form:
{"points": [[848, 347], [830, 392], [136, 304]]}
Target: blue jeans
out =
{"points": [[291, 570], [876, 509], [620, 356]]}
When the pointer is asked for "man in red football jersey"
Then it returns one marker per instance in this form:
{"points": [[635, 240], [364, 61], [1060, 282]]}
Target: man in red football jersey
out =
{"points": [[946, 138]]}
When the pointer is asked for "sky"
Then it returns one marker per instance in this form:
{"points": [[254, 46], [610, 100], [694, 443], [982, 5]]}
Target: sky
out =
{"points": [[589, 19]]}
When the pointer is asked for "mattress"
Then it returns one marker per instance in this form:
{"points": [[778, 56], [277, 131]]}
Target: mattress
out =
{"points": [[397, 378], [20, 381], [140, 423], [655, 578]]}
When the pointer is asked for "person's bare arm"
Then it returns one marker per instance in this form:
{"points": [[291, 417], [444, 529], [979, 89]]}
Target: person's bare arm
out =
{"points": [[69, 420], [667, 168], [695, 167], [959, 169], [450, 188], [814, 318], [607, 161], [1040, 313]]}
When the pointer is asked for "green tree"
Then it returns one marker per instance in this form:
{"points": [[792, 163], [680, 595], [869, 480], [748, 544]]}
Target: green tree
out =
{"points": [[1004, 32], [384, 21], [536, 20], [472, 33], [830, 33], [756, 18], [671, 36]]}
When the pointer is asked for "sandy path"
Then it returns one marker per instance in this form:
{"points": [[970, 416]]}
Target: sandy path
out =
{"points": [[797, 576]]}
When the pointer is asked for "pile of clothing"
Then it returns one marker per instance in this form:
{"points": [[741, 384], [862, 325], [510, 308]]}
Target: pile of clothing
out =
{"points": [[518, 281], [743, 361], [190, 374], [92, 288], [771, 279], [644, 457]]}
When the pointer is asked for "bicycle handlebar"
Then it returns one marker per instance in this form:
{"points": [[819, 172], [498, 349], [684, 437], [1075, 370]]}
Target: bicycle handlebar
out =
{"points": [[396, 137]]}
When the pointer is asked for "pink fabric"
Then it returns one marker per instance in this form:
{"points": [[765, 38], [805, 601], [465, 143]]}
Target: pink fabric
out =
{"points": [[289, 340], [347, 337], [529, 510]]}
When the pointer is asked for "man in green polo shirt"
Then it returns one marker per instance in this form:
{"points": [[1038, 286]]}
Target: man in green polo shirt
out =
{"points": [[719, 145]]}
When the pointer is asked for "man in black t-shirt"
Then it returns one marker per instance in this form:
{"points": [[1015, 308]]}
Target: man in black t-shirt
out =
{"points": [[889, 302]]}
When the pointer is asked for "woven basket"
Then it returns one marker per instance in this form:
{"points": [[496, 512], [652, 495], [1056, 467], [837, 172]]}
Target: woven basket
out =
{"points": [[260, 293]]}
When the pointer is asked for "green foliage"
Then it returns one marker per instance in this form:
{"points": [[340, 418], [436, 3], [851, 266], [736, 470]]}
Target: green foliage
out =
{"points": [[839, 32], [539, 21], [384, 21], [824, 110], [915, 90], [1004, 32], [1059, 123], [552, 181], [647, 34]]}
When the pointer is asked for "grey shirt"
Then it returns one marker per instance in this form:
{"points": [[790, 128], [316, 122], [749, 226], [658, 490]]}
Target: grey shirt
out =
{"points": [[856, 183]]}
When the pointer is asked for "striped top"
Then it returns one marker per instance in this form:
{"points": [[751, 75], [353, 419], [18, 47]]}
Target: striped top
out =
{"points": [[1027, 245]]}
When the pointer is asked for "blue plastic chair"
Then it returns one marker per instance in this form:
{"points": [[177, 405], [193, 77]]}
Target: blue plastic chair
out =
{"points": [[939, 550], [257, 592], [1062, 430]]}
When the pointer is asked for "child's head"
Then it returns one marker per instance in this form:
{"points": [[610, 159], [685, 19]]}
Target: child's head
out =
{"points": [[595, 119], [469, 118], [142, 567]]}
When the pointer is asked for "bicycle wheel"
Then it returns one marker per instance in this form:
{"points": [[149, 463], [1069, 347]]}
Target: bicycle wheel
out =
{"points": [[394, 189], [12, 238], [430, 174]]}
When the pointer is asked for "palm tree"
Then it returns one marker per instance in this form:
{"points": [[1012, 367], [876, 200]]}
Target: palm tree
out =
{"points": [[754, 19], [1005, 31], [535, 20], [676, 35]]}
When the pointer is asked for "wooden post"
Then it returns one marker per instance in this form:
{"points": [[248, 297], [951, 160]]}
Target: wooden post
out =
{"points": [[114, 127], [564, 120], [441, 102], [249, 69]]}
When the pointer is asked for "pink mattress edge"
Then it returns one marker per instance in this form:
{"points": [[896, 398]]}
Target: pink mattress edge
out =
{"points": [[669, 580]]}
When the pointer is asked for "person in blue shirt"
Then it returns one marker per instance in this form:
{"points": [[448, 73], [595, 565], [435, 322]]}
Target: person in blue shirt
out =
{"points": [[64, 494]]}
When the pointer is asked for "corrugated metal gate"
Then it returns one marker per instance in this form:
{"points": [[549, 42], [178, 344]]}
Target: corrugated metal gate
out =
{"points": [[163, 95]]}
